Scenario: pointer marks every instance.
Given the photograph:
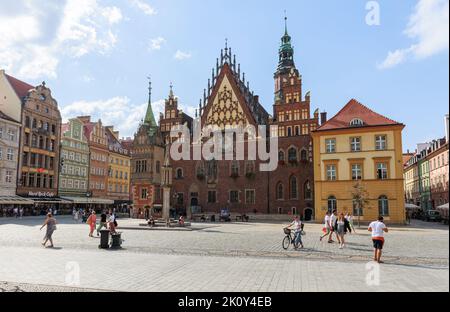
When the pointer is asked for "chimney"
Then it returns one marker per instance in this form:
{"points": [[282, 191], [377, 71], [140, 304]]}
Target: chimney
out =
{"points": [[447, 128], [323, 118]]}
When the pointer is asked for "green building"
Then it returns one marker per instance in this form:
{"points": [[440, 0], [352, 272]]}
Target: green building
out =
{"points": [[424, 182], [74, 173]]}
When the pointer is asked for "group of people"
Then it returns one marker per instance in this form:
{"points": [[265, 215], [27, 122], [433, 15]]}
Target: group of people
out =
{"points": [[340, 225], [107, 221]]}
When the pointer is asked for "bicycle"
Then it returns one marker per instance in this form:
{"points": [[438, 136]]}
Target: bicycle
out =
{"points": [[289, 239]]}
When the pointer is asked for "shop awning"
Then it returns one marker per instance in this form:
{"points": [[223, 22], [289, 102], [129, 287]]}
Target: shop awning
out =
{"points": [[55, 200], [443, 207], [89, 200], [15, 200], [411, 206]]}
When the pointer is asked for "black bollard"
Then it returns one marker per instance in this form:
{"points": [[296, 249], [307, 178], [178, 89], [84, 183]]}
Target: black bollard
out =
{"points": [[104, 239]]}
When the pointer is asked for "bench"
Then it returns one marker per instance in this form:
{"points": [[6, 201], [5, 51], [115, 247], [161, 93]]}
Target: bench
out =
{"points": [[243, 218]]}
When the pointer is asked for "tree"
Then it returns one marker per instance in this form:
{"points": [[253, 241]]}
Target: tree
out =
{"points": [[360, 198]]}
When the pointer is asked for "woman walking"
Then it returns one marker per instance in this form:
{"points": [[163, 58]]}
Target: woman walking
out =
{"points": [[342, 226], [92, 222], [350, 220], [50, 222]]}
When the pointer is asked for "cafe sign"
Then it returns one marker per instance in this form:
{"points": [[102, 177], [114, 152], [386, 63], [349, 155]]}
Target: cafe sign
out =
{"points": [[41, 194]]}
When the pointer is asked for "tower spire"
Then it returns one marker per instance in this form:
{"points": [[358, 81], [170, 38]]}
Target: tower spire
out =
{"points": [[285, 23], [286, 51], [149, 116]]}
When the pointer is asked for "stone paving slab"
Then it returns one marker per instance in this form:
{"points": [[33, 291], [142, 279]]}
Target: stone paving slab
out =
{"points": [[221, 257], [149, 272]]}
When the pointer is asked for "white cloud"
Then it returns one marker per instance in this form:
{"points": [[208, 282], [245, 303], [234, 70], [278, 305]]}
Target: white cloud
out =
{"points": [[112, 14], [156, 43], [33, 39], [180, 55], [395, 58], [146, 8], [429, 27]]}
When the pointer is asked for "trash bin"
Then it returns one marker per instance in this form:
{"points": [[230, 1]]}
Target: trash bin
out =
{"points": [[104, 239], [116, 241]]}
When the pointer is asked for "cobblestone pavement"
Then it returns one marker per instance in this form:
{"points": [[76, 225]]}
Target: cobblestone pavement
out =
{"points": [[221, 257]]}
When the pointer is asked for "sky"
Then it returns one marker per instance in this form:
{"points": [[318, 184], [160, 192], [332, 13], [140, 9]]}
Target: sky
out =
{"points": [[96, 55]]}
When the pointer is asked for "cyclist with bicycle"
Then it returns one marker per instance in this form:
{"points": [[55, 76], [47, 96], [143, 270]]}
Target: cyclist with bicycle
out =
{"points": [[297, 226]]}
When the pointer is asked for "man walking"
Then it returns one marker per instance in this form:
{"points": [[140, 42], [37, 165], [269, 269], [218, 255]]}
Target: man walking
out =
{"points": [[333, 220], [378, 228], [327, 227]]}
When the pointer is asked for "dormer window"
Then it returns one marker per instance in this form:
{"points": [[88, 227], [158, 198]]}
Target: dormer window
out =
{"points": [[356, 123]]}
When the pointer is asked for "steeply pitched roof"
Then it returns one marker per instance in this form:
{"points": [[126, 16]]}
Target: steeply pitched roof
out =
{"points": [[21, 88], [355, 110]]}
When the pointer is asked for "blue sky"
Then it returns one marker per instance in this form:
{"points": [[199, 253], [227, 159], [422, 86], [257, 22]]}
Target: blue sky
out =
{"points": [[95, 55]]}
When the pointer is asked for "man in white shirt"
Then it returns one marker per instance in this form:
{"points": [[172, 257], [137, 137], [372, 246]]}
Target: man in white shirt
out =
{"points": [[333, 220], [378, 228], [327, 227]]}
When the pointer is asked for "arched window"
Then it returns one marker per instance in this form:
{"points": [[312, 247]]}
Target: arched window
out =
{"points": [[293, 187], [292, 154], [383, 206], [332, 203], [280, 191], [307, 190], [280, 156], [297, 130], [179, 173], [357, 122], [304, 155]]}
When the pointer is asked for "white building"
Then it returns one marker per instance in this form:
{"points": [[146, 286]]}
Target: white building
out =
{"points": [[9, 154]]}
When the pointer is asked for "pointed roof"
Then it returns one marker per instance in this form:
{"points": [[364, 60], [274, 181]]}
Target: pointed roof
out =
{"points": [[355, 110], [21, 88], [228, 68], [149, 116]]}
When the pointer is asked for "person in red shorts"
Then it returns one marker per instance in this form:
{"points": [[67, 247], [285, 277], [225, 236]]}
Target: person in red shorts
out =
{"points": [[378, 228]]}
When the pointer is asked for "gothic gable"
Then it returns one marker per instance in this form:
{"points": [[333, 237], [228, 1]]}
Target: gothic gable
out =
{"points": [[226, 110], [227, 105]]}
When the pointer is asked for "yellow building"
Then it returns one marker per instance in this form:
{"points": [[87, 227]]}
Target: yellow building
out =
{"points": [[359, 146], [119, 169]]}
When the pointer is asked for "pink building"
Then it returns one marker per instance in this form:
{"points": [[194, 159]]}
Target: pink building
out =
{"points": [[438, 160]]}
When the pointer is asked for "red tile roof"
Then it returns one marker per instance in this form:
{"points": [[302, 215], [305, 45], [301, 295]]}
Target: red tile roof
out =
{"points": [[21, 88], [354, 110]]}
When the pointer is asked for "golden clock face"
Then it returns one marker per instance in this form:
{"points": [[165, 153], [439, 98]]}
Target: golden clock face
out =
{"points": [[226, 110]]}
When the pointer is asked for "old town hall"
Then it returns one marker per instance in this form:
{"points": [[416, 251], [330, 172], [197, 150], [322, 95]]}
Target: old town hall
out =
{"points": [[207, 186]]}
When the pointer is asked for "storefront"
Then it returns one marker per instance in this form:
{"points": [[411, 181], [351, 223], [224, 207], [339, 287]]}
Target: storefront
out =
{"points": [[98, 204], [8, 203]]}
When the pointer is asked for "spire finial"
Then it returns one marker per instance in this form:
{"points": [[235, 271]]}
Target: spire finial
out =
{"points": [[171, 89], [149, 87], [226, 44], [285, 22]]}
